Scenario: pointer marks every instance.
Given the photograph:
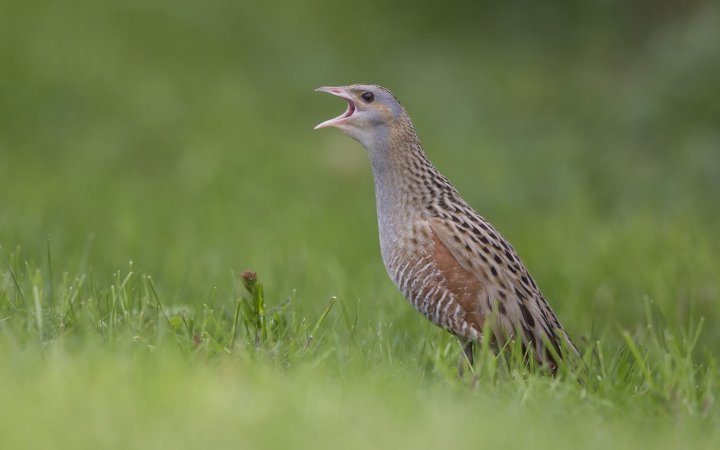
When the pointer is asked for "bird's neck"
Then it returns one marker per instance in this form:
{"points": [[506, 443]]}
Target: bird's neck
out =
{"points": [[398, 162], [393, 152], [404, 183]]}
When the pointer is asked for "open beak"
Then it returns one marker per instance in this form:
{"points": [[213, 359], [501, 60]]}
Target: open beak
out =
{"points": [[339, 120]]}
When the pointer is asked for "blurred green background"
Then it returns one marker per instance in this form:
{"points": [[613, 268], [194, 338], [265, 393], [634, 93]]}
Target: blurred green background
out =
{"points": [[179, 136]]}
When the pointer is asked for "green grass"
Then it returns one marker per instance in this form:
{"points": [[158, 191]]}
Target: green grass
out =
{"points": [[151, 152], [112, 365]]}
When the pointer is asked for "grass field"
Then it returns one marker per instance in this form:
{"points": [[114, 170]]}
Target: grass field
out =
{"points": [[151, 152]]}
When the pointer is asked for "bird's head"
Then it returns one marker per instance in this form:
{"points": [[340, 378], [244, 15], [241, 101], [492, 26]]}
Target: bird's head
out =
{"points": [[372, 113]]}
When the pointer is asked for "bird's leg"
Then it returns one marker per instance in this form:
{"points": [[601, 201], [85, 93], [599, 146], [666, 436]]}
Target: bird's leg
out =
{"points": [[467, 356]]}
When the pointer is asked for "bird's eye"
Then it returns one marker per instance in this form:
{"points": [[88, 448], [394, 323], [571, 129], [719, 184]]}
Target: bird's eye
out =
{"points": [[368, 97]]}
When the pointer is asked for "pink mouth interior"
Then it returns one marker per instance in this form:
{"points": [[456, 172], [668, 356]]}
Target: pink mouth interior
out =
{"points": [[339, 120], [349, 111]]}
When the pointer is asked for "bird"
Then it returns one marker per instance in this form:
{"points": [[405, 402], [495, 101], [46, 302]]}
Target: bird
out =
{"points": [[450, 263]]}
